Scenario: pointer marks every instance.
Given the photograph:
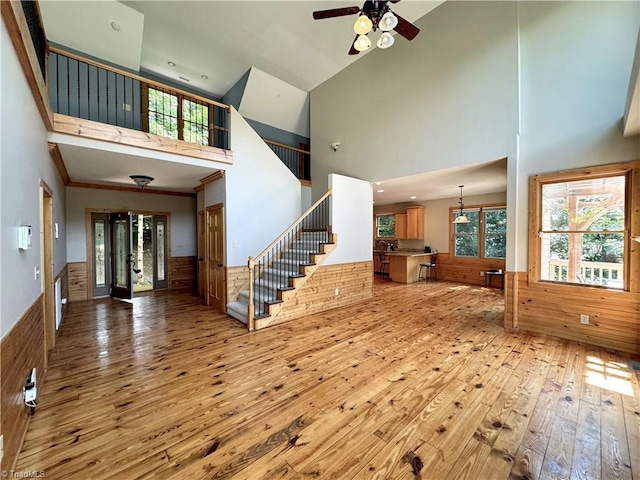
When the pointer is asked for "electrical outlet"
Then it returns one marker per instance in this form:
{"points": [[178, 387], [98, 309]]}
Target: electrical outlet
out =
{"points": [[337, 291], [482, 274], [584, 319]]}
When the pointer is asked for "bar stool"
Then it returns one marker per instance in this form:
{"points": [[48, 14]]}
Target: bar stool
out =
{"points": [[429, 266], [384, 264]]}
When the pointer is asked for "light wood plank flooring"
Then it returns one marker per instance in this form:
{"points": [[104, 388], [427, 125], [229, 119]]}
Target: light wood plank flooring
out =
{"points": [[165, 388]]}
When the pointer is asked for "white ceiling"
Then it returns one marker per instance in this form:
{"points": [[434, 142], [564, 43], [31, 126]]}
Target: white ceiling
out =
{"points": [[478, 179], [223, 40]]}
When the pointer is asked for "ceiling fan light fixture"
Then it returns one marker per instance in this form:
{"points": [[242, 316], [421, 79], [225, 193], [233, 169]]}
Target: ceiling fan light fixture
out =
{"points": [[385, 40], [363, 25], [362, 43], [388, 21], [141, 180]]}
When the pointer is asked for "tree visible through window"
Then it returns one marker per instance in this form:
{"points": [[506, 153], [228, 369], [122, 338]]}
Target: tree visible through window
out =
{"points": [[582, 231], [386, 225], [485, 236], [176, 116]]}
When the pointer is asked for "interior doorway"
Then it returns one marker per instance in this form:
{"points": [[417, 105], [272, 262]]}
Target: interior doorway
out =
{"points": [[129, 253], [46, 260], [215, 270]]}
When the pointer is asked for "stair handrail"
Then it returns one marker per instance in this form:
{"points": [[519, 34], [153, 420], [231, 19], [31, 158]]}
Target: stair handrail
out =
{"points": [[252, 260]]}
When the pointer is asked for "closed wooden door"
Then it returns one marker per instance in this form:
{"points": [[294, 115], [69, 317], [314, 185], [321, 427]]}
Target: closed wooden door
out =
{"points": [[215, 258]]}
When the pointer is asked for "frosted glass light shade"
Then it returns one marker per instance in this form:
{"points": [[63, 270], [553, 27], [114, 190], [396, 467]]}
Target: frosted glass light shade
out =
{"points": [[461, 219], [385, 40], [362, 43], [388, 22], [363, 25]]}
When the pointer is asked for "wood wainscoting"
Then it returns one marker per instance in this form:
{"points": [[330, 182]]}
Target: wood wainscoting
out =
{"points": [[555, 310], [237, 278], [353, 282], [77, 281], [465, 270], [182, 274], [22, 349]]}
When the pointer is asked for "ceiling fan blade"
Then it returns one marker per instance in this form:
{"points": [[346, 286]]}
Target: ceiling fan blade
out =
{"points": [[352, 50], [335, 12], [407, 29]]}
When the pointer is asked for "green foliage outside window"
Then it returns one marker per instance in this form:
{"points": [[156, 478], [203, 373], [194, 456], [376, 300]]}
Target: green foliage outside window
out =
{"points": [[163, 113], [466, 235], [495, 233], [195, 117], [386, 225]]}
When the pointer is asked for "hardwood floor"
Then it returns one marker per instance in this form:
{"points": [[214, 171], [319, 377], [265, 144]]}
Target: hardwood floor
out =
{"points": [[165, 388]]}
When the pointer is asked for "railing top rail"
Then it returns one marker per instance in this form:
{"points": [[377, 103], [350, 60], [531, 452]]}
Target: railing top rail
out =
{"points": [[288, 147], [291, 227], [60, 51]]}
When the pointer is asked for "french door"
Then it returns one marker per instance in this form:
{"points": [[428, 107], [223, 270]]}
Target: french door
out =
{"points": [[121, 255], [129, 253]]}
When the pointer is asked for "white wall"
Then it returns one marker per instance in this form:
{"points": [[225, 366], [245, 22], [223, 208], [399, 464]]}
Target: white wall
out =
{"points": [[351, 219], [182, 209], [262, 196], [574, 89], [541, 83], [25, 161], [447, 98]]}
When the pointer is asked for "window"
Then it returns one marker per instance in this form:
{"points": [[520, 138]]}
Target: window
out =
{"points": [[582, 231], [386, 225], [485, 236], [177, 116]]}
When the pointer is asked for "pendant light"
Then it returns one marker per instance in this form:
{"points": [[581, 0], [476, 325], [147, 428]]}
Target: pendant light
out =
{"points": [[462, 218]]}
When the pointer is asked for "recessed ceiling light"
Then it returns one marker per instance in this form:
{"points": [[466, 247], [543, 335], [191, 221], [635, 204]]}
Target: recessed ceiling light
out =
{"points": [[171, 64], [413, 197], [377, 183], [380, 191], [204, 77], [116, 25]]}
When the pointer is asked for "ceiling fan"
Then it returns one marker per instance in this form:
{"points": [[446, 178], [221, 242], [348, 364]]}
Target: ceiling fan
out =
{"points": [[374, 14]]}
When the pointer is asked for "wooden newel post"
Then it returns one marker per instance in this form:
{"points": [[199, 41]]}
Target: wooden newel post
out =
{"points": [[251, 322]]}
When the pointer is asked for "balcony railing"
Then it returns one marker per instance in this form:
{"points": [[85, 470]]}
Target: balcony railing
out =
{"points": [[296, 159], [86, 89], [591, 273]]}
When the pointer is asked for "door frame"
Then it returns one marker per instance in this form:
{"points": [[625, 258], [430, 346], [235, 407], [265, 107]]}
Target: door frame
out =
{"points": [[201, 261], [89, 241], [46, 273]]}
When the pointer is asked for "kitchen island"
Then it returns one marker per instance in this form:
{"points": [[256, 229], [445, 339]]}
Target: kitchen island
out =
{"points": [[404, 266]]}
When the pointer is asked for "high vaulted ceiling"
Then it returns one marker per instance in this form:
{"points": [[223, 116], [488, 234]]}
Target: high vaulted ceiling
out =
{"points": [[221, 40]]}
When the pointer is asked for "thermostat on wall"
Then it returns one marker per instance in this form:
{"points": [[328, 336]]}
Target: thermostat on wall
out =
{"points": [[24, 237]]}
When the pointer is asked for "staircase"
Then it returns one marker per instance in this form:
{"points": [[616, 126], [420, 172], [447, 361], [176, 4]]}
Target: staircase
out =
{"points": [[284, 266], [289, 270]]}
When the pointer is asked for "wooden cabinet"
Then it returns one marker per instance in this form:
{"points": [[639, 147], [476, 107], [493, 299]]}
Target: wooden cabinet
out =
{"points": [[401, 225], [414, 223]]}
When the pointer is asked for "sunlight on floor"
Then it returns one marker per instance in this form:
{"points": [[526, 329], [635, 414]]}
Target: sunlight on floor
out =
{"points": [[614, 376]]}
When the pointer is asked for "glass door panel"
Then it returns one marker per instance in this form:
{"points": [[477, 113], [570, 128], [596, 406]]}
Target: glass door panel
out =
{"points": [[100, 254], [160, 251], [122, 284]]}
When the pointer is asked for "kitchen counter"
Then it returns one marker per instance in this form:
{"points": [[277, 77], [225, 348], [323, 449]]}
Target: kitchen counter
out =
{"points": [[404, 265]]}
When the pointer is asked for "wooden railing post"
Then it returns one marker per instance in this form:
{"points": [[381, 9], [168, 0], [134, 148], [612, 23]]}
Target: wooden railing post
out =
{"points": [[251, 321]]}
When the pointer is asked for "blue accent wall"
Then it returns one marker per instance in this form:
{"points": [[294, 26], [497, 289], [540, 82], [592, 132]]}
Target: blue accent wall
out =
{"points": [[234, 95]]}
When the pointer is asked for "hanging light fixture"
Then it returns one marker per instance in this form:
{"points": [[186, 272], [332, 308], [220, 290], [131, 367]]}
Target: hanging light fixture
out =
{"points": [[362, 43], [141, 180], [388, 21], [462, 218], [385, 40], [363, 25]]}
